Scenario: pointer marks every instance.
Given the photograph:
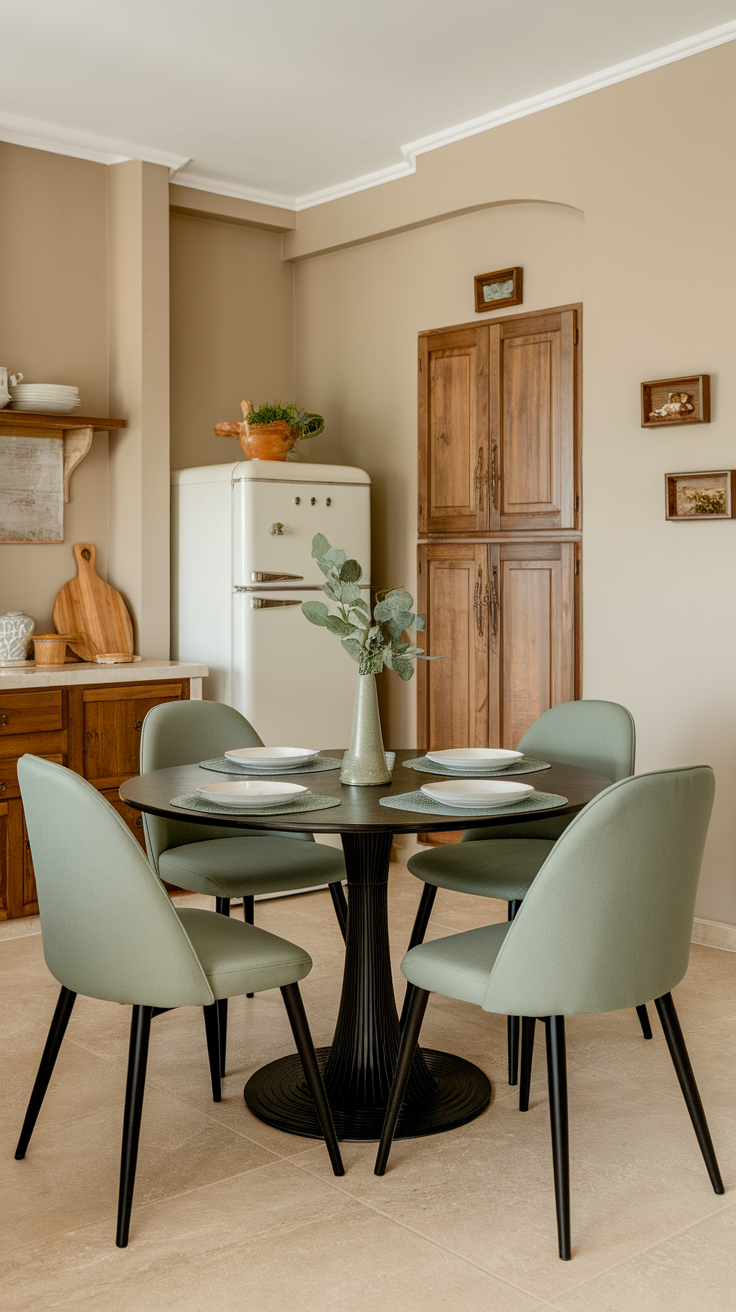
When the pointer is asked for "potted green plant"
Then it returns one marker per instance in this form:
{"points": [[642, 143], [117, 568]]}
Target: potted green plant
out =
{"points": [[375, 641], [269, 432]]}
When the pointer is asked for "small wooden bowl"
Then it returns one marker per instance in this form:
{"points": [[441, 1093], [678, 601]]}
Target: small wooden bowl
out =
{"points": [[50, 648]]}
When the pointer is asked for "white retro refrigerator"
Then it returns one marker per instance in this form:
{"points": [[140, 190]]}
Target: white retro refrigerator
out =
{"points": [[242, 566]]}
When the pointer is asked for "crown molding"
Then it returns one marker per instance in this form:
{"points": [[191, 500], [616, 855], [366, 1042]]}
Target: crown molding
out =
{"points": [[105, 150], [82, 145], [693, 45]]}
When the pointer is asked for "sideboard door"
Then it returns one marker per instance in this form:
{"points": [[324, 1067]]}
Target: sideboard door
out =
{"points": [[454, 448], [453, 691]]}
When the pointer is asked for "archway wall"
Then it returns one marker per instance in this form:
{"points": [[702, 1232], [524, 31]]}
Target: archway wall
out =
{"points": [[632, 211]]}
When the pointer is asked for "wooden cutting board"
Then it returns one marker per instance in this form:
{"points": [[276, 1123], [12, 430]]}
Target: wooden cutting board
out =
{"points": [[90, 607]]}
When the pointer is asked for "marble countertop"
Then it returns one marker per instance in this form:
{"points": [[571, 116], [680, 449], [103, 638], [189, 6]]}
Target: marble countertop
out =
{"points": [[54, 676]]}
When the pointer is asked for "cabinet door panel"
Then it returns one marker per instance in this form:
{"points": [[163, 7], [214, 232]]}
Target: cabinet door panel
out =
{"points": [[453, 420], [537, 484], [5, 859], [537, 648], [453, 691], [112, 730]]}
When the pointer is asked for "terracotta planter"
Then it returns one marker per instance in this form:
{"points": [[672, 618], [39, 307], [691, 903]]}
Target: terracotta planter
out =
{"points": [[266, 441]]}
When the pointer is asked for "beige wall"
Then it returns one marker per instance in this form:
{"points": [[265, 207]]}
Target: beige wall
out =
{"points": [[231, 332], [647, 164], [358, 315], [53, 328]]}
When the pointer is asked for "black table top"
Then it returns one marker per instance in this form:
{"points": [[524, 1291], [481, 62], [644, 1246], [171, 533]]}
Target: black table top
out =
{"points": [[360, 811]]}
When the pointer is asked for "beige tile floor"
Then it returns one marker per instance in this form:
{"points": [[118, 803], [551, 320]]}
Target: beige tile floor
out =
{"points": [[230, 1214]]}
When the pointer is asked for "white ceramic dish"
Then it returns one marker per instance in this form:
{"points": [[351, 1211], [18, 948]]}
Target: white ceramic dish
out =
{"points": [[470, 758], [46, 407], [251, 792], [272, 758], [477, 792]]}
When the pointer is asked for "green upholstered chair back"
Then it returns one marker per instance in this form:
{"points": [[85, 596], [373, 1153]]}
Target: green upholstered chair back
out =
{"points": [[608, 920], [182, 733], [109, 928], [598, 736]]}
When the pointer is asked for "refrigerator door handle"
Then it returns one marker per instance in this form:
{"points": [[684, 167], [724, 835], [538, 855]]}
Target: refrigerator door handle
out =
{"points": [[260, 603], [258, 577]]}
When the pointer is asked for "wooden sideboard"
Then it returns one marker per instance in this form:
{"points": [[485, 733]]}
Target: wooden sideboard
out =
{"points": [[88, 718]]}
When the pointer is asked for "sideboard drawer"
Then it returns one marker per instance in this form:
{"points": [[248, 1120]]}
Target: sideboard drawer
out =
{"points": [[9, 772], [31, 712]]}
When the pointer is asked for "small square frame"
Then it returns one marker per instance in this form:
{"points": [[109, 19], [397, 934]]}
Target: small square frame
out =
{"points": [[656, 393], [710, 480], [514, 276]]}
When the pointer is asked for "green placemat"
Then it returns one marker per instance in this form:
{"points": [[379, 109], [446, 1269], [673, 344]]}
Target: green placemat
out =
{"points": [[527, 765], [307, 802], [420, 802], [224, 766]]}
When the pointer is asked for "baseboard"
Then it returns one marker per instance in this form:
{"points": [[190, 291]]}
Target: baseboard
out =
{"points": [[714, 934]]}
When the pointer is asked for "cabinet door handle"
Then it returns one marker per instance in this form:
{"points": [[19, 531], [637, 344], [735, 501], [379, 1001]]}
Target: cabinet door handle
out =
{"points": [[2, 787], [478, 602], [139, 822], [480, 480], [494, 473], [3, 721], [494, 603]]}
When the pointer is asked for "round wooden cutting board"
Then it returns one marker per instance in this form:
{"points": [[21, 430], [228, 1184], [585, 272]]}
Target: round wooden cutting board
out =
{"points": [[90, 607]]}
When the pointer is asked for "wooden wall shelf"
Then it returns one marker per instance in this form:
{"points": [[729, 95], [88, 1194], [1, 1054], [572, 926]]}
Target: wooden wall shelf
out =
{"points": [[76, 432]]}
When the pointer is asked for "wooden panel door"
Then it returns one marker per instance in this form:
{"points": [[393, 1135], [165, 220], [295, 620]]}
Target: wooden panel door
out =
{"points": [[453, 692], [534, 661], [538, 421], [453, 430], [113, 719]]}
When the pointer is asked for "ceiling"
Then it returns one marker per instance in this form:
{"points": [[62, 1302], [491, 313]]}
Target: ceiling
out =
{"points": [[292, 102]]}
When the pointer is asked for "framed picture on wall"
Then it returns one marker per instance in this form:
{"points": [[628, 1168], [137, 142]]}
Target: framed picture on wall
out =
{"points": [[494, 291]]}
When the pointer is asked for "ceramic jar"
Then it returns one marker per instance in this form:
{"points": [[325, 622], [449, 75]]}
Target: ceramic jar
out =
{"points": [[15, 637]]}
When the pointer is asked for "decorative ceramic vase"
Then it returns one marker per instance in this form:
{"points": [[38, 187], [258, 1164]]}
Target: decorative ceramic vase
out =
{"points": [[267, 441], [365, 761], [15, 637]]}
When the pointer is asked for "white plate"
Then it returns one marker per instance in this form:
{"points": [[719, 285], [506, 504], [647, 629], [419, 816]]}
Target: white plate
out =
{"points": [[470, 758], [477, 792], [251, 792], [45, 407], [272, 758], [49, 388]]}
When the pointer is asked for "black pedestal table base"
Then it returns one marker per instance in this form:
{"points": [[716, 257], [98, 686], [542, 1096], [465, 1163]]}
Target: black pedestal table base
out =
{"points": [[443, 1091]]}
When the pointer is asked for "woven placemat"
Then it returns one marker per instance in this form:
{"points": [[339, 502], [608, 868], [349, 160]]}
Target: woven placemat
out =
{"points": [[527, 765], [420, 802], [224, 766], [307, 802]]}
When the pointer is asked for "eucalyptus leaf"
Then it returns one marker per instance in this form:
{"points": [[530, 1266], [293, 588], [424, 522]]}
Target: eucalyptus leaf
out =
{"points": [[419, 622], [351, 572], [362, 604], [382, 612], [320, 545], [336, 625], [400, 622], [326, 567], [336, 555], [349, 592], [402, 667], [353, 648], [316, 612], [330, 589]]}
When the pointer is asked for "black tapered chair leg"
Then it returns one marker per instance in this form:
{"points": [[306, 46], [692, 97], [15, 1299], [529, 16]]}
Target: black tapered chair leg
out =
{"points": [[305, 1047], [340, 903], [528, 1026], [419, 929], [417, 1000], [140, 1033], [57, 1030], [222, 907], [557, 1082], [212, 1030], [643, 1015], [512, 1022], [249, 918], [681, 1062]]}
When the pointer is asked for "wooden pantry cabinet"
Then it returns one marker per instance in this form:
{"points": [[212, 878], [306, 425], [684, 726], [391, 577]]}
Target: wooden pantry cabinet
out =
{"points": [[499, 525], [93, 729]]}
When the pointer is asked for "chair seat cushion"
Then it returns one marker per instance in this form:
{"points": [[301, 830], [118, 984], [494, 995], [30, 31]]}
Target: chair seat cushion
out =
{"points": [[492, 869], [239, 958], [239, 867], [458, 966]]}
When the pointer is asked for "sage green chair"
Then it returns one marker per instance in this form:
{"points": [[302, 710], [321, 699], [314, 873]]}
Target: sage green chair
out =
{"points": [[209, 859], [111, 931], [594, 735], [606, 924]]}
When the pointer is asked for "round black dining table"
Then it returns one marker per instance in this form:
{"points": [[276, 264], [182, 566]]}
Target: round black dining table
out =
{"points": [[444, 1090]]}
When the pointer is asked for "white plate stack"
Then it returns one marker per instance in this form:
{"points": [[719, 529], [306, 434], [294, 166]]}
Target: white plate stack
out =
{"points": [[48, 398]]}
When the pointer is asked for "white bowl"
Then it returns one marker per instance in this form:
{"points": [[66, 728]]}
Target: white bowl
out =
{"points": [[470, 758], [251, 792], [477, 792], [272, 758]]}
